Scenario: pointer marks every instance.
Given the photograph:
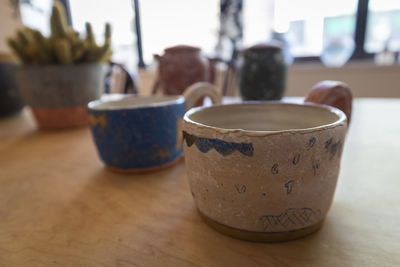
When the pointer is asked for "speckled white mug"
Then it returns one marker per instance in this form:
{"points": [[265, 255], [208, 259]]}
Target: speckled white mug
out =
{"points": [[264, 171]]}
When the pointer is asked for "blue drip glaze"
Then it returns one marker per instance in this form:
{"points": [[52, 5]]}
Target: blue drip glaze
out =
{"points": [[222, 147]]}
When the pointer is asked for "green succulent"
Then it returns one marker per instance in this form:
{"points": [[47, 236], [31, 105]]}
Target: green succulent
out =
{"points": [[63, 46]]}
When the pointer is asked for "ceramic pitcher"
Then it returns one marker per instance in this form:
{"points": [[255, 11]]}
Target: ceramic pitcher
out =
{"points": [[181, 66]]}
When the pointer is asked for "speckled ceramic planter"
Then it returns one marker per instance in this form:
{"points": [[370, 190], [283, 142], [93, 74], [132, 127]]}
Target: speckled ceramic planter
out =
{"points": [[264, 171], [58, 94]]}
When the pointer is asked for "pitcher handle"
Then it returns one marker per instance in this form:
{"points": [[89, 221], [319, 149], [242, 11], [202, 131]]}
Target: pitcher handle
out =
{"points": [[333, 93], [198, 90]]}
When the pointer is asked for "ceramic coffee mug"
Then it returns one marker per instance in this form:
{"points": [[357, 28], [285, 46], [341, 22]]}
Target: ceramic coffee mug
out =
{"points": [[139, 134], [264, 171]]}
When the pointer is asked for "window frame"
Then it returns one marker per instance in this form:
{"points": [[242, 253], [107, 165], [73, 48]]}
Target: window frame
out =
{"points": [[359, 53], [361, 29], [359, 37]]}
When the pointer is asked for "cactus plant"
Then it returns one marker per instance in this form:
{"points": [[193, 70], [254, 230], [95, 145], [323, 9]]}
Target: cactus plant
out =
{"points": [[63, 46]]}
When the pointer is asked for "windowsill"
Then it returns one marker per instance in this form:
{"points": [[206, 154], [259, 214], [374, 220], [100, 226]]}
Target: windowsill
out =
{"points": [[354, 64], [365, 78]]}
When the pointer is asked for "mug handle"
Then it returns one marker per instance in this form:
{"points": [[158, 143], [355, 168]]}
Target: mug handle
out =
{"points": [[199, 90], [333, 93]]}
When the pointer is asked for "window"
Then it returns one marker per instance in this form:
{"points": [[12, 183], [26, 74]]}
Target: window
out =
{"points": [[308, 27], [169, 23], [307, 24], [119, 14], [36, 15], [257, 21], [383, 28]]}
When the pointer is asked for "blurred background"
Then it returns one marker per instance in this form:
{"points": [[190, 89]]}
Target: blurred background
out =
{"points": [[357, 41]]}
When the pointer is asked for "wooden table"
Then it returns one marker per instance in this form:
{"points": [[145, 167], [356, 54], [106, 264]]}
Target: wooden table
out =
{"points": [[60, 207]]}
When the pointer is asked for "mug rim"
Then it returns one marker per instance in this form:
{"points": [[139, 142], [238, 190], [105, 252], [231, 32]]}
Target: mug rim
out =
{"points": [[162, 101], [342, 119]]}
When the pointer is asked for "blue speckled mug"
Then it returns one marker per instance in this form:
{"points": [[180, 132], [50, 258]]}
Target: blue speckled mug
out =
{"points": [[143, 133]]}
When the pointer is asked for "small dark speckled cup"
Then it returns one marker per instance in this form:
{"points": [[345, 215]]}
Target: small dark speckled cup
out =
{"points": [[262, 72], [141, 134]]}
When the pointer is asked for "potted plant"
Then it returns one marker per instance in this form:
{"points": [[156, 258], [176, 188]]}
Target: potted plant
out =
{"points": [[61, 73]]}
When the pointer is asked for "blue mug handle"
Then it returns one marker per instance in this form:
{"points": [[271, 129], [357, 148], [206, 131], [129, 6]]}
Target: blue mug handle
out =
{"points": [[199, 90]]}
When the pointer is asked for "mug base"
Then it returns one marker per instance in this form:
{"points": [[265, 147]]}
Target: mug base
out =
{"points": [[55, 118], [145, 170], [261, 236]]}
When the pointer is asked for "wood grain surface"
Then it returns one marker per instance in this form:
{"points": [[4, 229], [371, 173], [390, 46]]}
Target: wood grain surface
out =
{"points": [[59, 206]]}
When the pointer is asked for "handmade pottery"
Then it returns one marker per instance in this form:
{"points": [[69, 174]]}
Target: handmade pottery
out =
{"points": [[180, 67], [10, 97], [264, 171], [262, 72], [58, 94], [140, 134], [333, 93]]}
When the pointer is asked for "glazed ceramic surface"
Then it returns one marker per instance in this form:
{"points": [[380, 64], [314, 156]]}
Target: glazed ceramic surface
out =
{"points": [[138, 133], [333, 93], [182, 66], [268, 169], [142, 133], [262, 73]]}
